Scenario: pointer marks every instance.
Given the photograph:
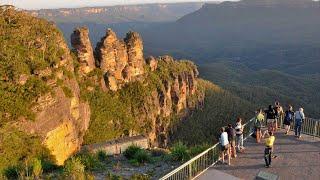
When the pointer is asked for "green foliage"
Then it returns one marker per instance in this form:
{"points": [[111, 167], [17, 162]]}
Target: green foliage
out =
{"points": [[36, 168], [18, 148], [136, 155], [102, 156], [109, 117], [219, 108], [67, 91], [28, 45], [11, 172], [179, 152], [90, 161], [131, 151], [74, 169], [140, 177], [111, 176], [142, 157], [195, 150]]}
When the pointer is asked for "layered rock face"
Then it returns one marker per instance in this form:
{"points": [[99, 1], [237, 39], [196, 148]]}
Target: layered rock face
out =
{"points": [[61, 120], [121, 61]]}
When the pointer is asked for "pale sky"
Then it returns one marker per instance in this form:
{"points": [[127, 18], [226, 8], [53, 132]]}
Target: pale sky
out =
{"points": [[48, 4]]}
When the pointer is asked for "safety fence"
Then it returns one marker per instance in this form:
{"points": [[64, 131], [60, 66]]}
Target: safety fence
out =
{"points": [[203, 161], [309, 126], [200, 163]]}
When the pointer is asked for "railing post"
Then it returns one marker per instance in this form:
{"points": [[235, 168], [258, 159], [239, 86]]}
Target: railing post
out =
{"points": [[315, 129], [190, 171]]}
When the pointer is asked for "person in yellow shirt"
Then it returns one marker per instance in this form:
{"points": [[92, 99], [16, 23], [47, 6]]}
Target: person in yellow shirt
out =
{"points": [[269, 142]]}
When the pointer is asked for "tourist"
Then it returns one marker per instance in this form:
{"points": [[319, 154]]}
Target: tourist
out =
{"points": [[258, 124], [239, 135], [224, 145], [279, 114], [269, 148], [288, 119], [232, 140], [271, 116], [299, 117]]}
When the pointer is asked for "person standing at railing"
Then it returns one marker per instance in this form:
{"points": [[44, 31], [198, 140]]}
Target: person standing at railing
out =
{"points": [[269, 142], [279, 115], [271, 116], [258, 124], [224, 145], [232, 140], [239, 135], [299, 117], [288, 119]]}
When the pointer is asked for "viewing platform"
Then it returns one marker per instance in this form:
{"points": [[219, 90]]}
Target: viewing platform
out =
{"points": [[296, 159]]}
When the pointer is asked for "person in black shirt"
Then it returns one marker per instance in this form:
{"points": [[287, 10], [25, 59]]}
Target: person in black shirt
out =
{"points": [[288, 119], [232, 140], [271, 116]]}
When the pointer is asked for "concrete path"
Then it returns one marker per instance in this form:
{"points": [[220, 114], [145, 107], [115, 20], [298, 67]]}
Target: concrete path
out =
{"points": [[297, 159]]}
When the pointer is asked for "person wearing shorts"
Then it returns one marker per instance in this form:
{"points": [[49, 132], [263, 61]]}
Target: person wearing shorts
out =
{"points": [[271, 116], [224, 143]]}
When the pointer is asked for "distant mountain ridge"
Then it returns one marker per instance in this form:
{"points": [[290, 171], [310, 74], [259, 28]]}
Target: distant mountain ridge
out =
{"points": [[120, 13]]}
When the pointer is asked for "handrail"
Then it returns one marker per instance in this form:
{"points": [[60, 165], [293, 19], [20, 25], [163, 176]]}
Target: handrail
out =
{"points": [[202, 161]]}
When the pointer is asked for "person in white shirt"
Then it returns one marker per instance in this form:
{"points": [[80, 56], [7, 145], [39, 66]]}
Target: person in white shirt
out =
{"points": [[239, 135], [224, 145], [299, 117]]}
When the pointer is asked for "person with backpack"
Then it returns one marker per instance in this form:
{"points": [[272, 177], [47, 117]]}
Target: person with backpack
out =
{"points": [[279, 114], [258, 124], [299, 117], [232, 140], [288, 119], [269, 142], [271, 116], [224, 143], [239, 135]]}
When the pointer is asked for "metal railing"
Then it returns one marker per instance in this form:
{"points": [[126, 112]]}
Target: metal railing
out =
{"points": [[309, 126], [200, 163]]}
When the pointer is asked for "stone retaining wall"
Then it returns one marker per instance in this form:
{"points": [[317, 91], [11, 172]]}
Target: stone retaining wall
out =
{"points": [[118, 146]]}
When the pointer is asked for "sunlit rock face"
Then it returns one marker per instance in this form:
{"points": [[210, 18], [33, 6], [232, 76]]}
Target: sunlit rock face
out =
{"points": [[81, 43], [60, 119], [121, 61]]}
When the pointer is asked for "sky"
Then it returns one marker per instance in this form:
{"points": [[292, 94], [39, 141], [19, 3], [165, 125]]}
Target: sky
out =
{"points": [[50, 4]]}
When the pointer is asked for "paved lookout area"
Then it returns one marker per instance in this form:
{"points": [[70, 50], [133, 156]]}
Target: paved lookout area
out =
{"points": [[297, 159]]}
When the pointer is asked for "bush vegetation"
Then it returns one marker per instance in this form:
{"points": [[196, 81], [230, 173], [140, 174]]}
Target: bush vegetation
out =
{"points": [[136, 155]]}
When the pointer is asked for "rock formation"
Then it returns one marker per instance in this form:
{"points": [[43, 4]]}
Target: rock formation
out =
{"points": [[121, 61], [81, 43]]}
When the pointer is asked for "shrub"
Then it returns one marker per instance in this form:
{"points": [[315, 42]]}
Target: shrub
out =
{"points": [[36, 168], [140, 177], [142, 156], [195, 150], [74, 169], [102, 156], [179, 152], [111, 176], [11, 172], [90, 161], [131, 151]]}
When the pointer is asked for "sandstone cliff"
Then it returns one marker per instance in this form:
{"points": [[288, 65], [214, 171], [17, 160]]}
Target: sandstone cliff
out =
{"points": [[165, 88], [98, 95]]}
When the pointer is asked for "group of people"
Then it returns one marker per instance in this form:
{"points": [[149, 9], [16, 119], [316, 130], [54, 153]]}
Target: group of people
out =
{"points": [[231, 138]]}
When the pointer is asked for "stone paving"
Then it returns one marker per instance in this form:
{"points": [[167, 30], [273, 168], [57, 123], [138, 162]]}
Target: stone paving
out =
{"points": [[297, 159]]}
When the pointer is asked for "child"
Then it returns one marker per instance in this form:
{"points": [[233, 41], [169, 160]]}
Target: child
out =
{"points": [[269, 148]]}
